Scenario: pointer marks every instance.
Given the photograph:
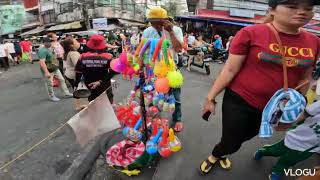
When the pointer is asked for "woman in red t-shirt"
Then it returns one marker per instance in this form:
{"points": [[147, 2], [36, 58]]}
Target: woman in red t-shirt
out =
{"points": [[253, 73]]}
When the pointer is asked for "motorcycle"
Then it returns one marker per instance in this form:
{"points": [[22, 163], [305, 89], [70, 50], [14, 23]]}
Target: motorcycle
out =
{"points": [[220, 55], [203, 63]]}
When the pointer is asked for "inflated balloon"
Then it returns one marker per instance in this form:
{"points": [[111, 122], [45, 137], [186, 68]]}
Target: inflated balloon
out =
{"points": [[140, 47], [113, 64], [120, 66], [163, 146], [151, 146], [175, 79], [117, 66], [144, 48], [172, 108], [155, 100], [153, 46], [136, 67], [152, 111], [154, 129], [130, 71], [123, 57], [162, 85], [165, 107], [174, 142], [160, 104], [132, 94], [161, 69], [133, 133], [138, 93], [171, 65], [147, 99], [130, 59], [157, 50], [165, 46]]}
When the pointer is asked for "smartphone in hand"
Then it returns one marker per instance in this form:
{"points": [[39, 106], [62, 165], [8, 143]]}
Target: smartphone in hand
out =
{"points": [[206, 116]]}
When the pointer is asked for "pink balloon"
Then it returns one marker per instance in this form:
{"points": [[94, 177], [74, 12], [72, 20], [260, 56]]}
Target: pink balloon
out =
{"points": [[117, 66], [123, 57], [121, 67], [130, 71], [113, 64]]}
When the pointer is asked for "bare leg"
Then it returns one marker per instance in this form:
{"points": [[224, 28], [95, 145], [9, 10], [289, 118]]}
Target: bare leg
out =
{"points": [[189, 62]]}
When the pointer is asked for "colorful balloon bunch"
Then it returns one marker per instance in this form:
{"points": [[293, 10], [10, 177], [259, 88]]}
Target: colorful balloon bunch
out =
{"points": [[166, 103], [160, 76], [125, 64], [163, 141], [158, 63], [128, 115]]}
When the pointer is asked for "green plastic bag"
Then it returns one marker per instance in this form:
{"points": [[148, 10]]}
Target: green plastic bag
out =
{"points": [[25, 57]]}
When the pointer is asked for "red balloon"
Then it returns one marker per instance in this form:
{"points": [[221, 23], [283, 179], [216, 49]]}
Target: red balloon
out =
{"points": [[162, 85]]}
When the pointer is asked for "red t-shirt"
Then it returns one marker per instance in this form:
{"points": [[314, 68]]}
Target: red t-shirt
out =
{"points": [[261, 74], [25, 46]]}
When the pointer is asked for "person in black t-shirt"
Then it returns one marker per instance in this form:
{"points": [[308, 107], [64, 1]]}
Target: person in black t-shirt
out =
{"points": [[94, 66]]}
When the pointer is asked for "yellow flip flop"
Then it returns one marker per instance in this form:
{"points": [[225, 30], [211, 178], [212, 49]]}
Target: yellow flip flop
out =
{"points": [[225, 163], [207, 165]]}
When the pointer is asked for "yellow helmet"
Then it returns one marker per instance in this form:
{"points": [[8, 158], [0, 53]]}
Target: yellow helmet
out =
{"points": [[157, 13]]}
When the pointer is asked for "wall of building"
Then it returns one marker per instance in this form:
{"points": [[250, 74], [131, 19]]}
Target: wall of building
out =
{"points": [[182, 6], [5, 2], [73, 10], [258, 6]]}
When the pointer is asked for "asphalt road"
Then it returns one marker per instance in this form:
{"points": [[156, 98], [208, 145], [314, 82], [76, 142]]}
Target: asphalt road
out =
{"points": [[26, 117]]}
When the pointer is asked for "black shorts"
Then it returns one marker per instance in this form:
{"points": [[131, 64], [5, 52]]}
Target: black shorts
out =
{"points": [[13, 55]]}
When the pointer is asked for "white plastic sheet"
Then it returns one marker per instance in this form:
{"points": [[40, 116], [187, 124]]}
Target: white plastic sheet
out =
{"points": [[98, 118]]}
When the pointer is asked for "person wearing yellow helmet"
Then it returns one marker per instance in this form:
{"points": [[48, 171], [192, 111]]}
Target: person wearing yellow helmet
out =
{"points": [[160, 27]]}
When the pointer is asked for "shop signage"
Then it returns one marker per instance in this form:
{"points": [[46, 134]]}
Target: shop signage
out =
{"points": [[100, 24], [241, 13]]}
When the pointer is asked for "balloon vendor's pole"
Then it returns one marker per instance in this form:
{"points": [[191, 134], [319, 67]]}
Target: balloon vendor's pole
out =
{"points": [[142, 103]]}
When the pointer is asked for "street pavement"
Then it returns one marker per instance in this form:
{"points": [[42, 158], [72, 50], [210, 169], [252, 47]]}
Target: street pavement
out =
{"points": [[27, 117]]}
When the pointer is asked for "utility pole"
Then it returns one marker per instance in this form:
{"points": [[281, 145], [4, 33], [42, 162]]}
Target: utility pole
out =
{"points": [[85, 15], [146, 4], [122, 4], [54, 10], [210, 4], [39, 12]]}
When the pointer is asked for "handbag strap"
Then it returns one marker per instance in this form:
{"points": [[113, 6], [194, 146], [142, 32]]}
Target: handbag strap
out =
{"points": [[283, 54]]}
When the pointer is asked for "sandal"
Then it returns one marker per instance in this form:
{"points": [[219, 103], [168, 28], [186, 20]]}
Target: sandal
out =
{"points": [[225, 163], [207, 165], [178, 127]]}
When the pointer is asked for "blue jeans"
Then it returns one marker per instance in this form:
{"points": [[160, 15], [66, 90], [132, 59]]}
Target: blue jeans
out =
{"points": [[177, 114]]}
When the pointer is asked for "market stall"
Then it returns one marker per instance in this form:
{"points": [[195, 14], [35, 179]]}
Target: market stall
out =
{"points": [[146, 134]]}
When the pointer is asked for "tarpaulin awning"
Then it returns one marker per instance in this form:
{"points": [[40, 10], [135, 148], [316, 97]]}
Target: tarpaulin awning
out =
{"points": [[196, 18], [33, 31], [233, 23], [85, 33], [73, 25], [130, 23]]}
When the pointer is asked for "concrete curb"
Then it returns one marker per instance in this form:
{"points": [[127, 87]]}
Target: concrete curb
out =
{"points": [[83, 163]]}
